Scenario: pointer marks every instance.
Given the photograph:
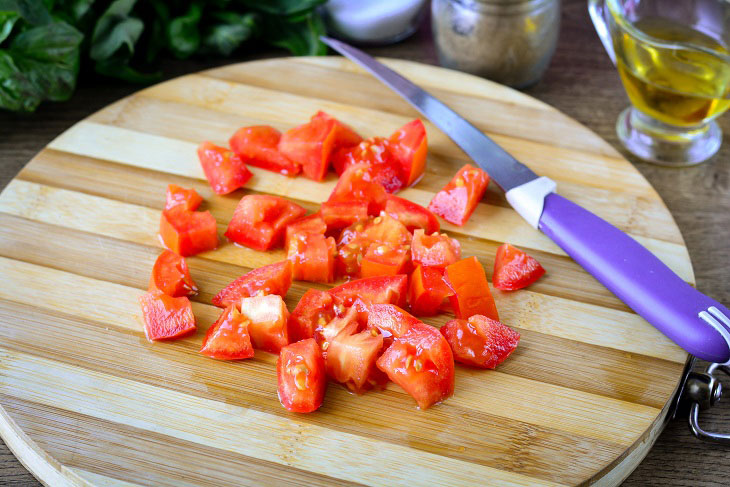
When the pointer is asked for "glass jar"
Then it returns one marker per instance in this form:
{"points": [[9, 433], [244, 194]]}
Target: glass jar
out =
{"points": [[508, 41]]}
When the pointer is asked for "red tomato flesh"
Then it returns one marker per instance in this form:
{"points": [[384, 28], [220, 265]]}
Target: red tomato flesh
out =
{"points": [[302, 381], [357, 184], [347, 320], [258, 146], [383, 260], [315, 308], [427, 291], [260, 221], [340, 214], [188, 232], [225, 171], [309, 224], [351, 360], [409, 147], [312, 257], [270, 279], [385, 289], [412, 215], [459, 198], [375, 153], [434, 250], [188, 198], [472, 296], [480, 341], [514, 269], [228, 338], [390, 320], [171, 276], [165, 317], [421, 362], [268, 318]]}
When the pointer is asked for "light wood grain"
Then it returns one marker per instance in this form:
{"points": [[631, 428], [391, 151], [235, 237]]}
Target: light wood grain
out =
{"points": [[580, 401]]}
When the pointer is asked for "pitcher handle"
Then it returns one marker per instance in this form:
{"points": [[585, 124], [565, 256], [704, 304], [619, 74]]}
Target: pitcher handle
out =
{"points": [[597, 9]]}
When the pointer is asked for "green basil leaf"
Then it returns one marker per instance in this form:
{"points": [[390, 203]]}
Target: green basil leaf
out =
{"points": [[158, 30], [116, 30], [72, 10], [301, 38], [183, 34], [16, 93], [229, 33], [33, 11], [7, 22], [119, 68], [282, 7]]}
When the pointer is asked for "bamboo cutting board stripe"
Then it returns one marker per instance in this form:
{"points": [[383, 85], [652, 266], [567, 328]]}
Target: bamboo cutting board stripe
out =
{"points": [[85, 399]]}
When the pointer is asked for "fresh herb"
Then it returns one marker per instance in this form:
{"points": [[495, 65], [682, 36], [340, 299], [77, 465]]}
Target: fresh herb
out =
{"points": [[44, 42]]}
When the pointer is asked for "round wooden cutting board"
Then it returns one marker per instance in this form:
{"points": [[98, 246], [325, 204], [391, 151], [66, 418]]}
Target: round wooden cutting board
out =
{"points": [[87, 400]]}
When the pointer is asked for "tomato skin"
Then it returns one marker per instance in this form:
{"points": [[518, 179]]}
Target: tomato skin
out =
{"points": [[427, 290], [472, 296], [171, 276], [384, 260], [412, 215], [351, 359], [340, 214], [312, 257], [301, 377], [188, 232], [384, 289], [268, 321], [514, 269], [409, 146], [259, 221], [459, 198], [480, 341], [270, 279], [228, 338], [315, 308], [258, 146], [165, 317], [188, 198], [356, 184], [223, 169], [313, 223], [434, 250], [391, 320], [421, 362]]}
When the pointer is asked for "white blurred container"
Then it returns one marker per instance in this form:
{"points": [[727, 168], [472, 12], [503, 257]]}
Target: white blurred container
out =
{"points": [[373, 21]]}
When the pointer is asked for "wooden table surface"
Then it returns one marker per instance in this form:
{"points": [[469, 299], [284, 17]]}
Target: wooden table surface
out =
{"points": [[582, 83]]}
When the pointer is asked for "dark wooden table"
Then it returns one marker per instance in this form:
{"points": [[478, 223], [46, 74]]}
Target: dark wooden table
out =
{"points": [[582, 83]]}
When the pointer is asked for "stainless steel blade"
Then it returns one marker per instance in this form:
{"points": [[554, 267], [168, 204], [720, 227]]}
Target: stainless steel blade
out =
{"points": [[504, 169]]}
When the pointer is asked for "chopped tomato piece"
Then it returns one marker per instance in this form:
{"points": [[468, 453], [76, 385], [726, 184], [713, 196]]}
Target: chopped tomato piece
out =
{"points": [[434, 250], [349, 258], [385, 289], [260, 220], [188, 232], [351, 360], [457, 201], [165, 317], [227, 338], [391, 320], [412, 215], [409, 146], [171, 276], [375, 152], [313, 223], [471, 296], [355, 240], [224, 170], [300, 372], [345, 136], [349, 321], [357, 184], [514, 269], [383, 260], [339, 214], [312, 257], [268, 318], [270, 279], [188, 198], [315, 308], [421, 362], [427, 291], [480, 341], [258, 146]]}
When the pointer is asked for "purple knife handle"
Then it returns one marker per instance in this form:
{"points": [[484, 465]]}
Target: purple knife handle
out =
{"points": [[638, 278]]}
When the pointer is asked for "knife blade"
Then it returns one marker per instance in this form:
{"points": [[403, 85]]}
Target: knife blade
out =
{"points": [[691, 319]]}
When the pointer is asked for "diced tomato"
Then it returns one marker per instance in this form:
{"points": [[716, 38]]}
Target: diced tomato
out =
{"points": [[268, 318], [385, 289], [260, 220], [227, 338], [352, 320], [313, 223], [391, 320], [349, 258], [188, 232], [345, 136], [421, 363], [356, 184], [434, 250], [224, 170], [467, 280], [171, 276], [258, 146], [383, 260], [302, 381], [514, 269], [312, 257], [375, 152], [412, 215], [409, 146], [355, 240], [165, 317], [351, 360], [315, 308], [339, 214], [188, 198], [457, 201], [427, 291], [480, 341], [270, 279]]}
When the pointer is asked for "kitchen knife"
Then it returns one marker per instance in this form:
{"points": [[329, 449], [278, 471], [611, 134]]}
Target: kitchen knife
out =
{"points": [[695, 322]]}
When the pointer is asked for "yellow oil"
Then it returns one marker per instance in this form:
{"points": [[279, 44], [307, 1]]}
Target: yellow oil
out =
{"points": [[676, 86]]}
